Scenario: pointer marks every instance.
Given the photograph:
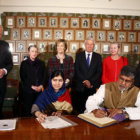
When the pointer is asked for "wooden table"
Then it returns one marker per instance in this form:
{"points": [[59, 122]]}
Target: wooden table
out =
{"points": [[30, 129]]}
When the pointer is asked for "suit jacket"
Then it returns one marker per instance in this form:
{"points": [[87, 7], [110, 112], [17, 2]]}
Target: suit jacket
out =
{"points": [[92, 73]]}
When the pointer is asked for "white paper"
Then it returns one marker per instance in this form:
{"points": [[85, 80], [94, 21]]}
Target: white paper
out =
{"points": [[7, 124], [125, 48]]}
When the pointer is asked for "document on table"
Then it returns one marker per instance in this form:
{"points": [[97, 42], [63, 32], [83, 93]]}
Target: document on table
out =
{"points": [[57, 122], [7, 124]]}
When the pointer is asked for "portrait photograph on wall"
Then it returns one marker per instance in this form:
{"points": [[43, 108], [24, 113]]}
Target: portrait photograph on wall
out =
{"points": [[31, 21], [21, 22]]}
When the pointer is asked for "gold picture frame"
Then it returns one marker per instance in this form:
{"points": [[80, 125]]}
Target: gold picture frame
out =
{"points": [[53, 22], [58, 34], [36, 34], [47, 34], [74, 23], [69, 34], [101, 35], [85, 22], [117, 24], [90, 34], [74, 46], [15, 34], [106, 24], [126, 48], [136, 25], [16, 58], [64, 22], [80, 35], [136, 48], [111, 36], [31, 21], [10, 22], [96, 23], [25, 34], [42, 46], [127, 24], [21, 22], [42, 22], [11, 45], [105, 48], [20, 46], [121, 36], [131, 36]]}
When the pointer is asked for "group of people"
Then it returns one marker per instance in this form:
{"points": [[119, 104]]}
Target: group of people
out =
{"points": [[102, 88]]}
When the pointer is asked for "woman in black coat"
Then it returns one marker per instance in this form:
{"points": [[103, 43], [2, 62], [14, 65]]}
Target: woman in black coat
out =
{"points": [[33, 79]]}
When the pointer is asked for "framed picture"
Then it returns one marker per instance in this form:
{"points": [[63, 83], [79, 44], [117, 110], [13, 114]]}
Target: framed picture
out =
{"points": [[47, 34], [90, 34], [74, 22], [117, 24], [136, 48], [42, 22], [64, 22], [11, 45], [136, 25], [36, 34], [51, 47], [25, 34], [105, 48], [24, 56], [31, 21], [58, 34], [138, 36], [111, 36], [85, 23], [42, 46], [20, 46], [15, 34], [131, 36], [107, 24], [74, 46], [29, 43], [10, 21], [16, 58], [21, 22], [97, 48], [80, 35], [126, 48], [96, 23], [53, 22], [101, 36], [82, 46], [127, 24], [69, 34], [121, 37]]}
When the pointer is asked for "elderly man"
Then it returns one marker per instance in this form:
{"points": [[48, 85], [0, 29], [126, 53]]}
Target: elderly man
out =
{"points": [[118, 99], [88, 71]]}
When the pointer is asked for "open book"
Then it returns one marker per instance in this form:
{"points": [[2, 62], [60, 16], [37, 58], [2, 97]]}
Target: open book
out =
{"points": [[100, 122]]}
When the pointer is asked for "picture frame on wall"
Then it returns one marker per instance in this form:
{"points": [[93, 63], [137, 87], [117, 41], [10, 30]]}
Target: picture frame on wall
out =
{"points": [[136, 25], [127, 24], [36, 34], [97, 48], [21, 22], [10, 21], [117, 24], [51, 47], [15, 34], [53, 22], [107, 24], [82, 46], [42, 46], [74, 46], [47, 34], [121, 37], [24, 56], [85, 23], [96, 23], [74, 22], [26, 34], [111, 36], [69, 34], [105, 48], [138, 36], [64, 22], [58, 34], [131, 36], [80, 35], [11, 45], [16, 58], [136, 48], [126, 48], [42, 22], [101, 35], [90, 34], [31, 21], [20, 46]]}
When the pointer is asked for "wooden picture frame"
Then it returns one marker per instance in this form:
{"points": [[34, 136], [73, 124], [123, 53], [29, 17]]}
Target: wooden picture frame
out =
{"points": [[105, 48], [51, 47], [136, 25], [74, 46], [111, 36], [121, 37], [47, 34], [74, 23], [16, 58], [31, 21], [97, 48], [26, 34], [53, 22], [36, 34], [138, 36], [101, 35], [58, 34], [80, 35], [15, 34], [127, 24], [69, 34], [64, 22], [131, 36], [11, 45], [90, 34], [96, 23], [126, 48], [85, 22], [136, 48], [10, 21], [82, 46], [42, 46], [117, 24], [42, 22], [21, 22], [20, 46], [106, 24], [24, 56]]}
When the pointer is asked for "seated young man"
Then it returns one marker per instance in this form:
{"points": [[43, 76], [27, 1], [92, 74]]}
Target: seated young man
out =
{"points": [[118, 99]]}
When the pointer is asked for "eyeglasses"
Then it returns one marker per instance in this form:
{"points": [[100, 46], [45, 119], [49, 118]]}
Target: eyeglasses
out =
{"points": [[125, 80]]}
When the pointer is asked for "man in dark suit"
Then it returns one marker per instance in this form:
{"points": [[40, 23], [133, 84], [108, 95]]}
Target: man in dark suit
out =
{"points": [[88, 70], [5, 66]]}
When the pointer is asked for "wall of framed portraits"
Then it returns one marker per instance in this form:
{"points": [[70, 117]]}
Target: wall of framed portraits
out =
{"points": [[43, 29]]}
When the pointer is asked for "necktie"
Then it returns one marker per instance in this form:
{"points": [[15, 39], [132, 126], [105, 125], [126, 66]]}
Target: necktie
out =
{"points": [[88, 60]]}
